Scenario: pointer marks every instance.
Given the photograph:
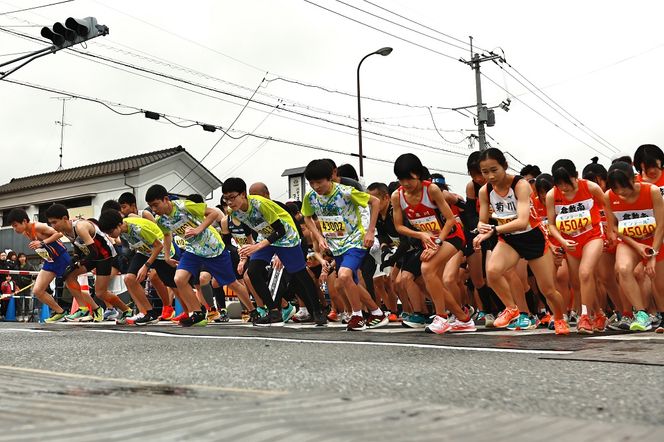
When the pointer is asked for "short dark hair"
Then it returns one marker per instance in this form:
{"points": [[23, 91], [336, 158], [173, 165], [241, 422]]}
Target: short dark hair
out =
{"points": [[407, 165], [393, 186], [493, 153], [110, 204], [594, 171], [381, 188], [348, 171], [319, 170], [530, 169], [17, 215], [109, 220], [648, 154], [331, 161], [563, 171], [620, 174], [543, 182], [56, 211], [127, 198], [234, 185], [155, 192], [473, 163], [196, 197]]}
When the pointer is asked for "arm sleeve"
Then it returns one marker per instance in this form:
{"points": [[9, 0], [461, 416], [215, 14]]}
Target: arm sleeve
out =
{"points": [[278, 231]]}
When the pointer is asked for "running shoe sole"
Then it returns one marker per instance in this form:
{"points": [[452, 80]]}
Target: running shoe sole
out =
{"points": [[382, 323], [408, 324]]}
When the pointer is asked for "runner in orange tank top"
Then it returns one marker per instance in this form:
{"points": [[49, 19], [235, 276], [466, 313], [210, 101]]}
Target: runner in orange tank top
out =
{"points": [[636, 211], [574, 221]]}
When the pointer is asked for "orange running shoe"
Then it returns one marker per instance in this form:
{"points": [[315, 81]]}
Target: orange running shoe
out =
{"points": [[180, 317], [561, 327], [167, 313], [393, 317], [599, 324], [546, 319], [505, 317], [584, 326], [333, 316]]}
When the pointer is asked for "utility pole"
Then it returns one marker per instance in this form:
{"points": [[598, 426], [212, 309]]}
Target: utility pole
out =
{"points": [[62, 125], [482, 111]]}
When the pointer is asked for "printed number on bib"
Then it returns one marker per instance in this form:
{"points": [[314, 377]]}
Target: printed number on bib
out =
{"points": [[640, 228], [141, 247], [264, 229], [574, 223], [44, 254], [505, 220], [240, 240], [426, 224], [332, 226], [180, 241]]}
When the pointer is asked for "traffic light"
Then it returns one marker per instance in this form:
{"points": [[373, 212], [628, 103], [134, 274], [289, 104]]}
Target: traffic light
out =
{"points": [[74, 31]]}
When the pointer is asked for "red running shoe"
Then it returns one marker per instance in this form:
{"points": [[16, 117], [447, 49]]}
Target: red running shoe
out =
{"points": [[180, 317], [584, 326], [167, 313]]}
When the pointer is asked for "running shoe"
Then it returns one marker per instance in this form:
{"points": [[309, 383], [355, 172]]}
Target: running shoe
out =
{"points": [[545, 319], [245, 316], [599, 324], [122, 320], [98, 315], [320, 318], [470, 310], [392, 317], [288, 312], [489, 319], [132, 319], [584, 326], [79, 315], [111, 314], [505, 317], [197, 319], [56, 317], [439, 325], [167, 313], [377, 321], [356, 323], [625, 322], [180, 317], [272, 319], [480, 316], [573, 318], [656, 319], [301, 316], [561, 327], [223, 316], [659, 329], [641, 322], [415, 320], [523, 322], [613, 321], [460, 326], [256, 314], [333, 316], [212, 314], [345, 318], [150, 318]]}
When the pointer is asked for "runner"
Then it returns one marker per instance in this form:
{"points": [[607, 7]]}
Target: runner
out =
{"points": [[636, 210], [45, 241], [519, 236], [342, 232], [573, 208], [425, 208], [93, 251]]}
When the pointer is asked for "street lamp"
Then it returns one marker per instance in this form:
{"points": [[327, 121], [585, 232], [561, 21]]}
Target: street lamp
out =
{"points": [[383, 52]]}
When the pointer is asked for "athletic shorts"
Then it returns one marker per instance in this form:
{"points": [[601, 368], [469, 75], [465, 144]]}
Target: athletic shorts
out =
{"points": [[530, 245], [411, 262], [165, 272], [351, 259], [58, 265], [457, 241], [291, 257], [220, 267], [582, 240], [376, 255], [103, 267]]}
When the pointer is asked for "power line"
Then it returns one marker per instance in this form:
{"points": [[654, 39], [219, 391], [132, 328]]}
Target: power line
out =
{"points": [[381, 31], [441, 135], [35, 7]]}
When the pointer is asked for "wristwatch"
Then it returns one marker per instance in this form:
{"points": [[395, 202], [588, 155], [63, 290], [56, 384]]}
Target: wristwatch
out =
{"points": [[438, 241]]}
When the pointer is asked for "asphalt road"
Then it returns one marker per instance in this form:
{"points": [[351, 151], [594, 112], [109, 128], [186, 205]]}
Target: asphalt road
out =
{"points": [[299, 383]]}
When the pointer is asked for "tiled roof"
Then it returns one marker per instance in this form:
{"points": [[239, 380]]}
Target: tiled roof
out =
{"points": [[90, 171]]}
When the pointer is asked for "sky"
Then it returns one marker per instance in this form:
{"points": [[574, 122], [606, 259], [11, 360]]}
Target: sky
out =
{"points": [[598, 64]]}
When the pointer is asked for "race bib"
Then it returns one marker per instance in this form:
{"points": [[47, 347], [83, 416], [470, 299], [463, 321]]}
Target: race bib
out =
{"points": [[505, 220], [141, 247], [574, 224], [264, 229], [240, 240], [333, 226], [426, 224], [42, 252], [639, 228]]}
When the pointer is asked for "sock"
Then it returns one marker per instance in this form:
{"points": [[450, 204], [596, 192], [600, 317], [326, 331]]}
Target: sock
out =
{"points": [[584, 309], [357, 313], [377, 312]]}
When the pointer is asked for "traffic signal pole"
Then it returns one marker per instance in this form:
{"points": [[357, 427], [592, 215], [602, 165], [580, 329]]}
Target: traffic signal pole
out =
{"points": [[31, 57]]}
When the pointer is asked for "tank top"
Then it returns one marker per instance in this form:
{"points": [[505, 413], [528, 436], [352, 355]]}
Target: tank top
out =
{"points": [[100, 242], [50, 251], [637, 219], [425, 216], [238, 233], [505, 207], [659, 183], [577, 216]]}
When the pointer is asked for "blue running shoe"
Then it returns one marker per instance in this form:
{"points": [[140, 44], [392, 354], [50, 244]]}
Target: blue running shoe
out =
{"points": [[416, 320], [288, 312], [523, 322]]}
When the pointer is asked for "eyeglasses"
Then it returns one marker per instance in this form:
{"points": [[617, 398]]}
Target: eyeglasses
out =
{"points": [[228, 199]]}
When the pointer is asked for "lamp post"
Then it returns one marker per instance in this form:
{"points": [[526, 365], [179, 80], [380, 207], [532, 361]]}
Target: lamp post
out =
{"points": [[382, 51]]}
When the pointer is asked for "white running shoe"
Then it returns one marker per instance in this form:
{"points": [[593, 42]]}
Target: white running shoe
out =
{"points": [[439, 326]]}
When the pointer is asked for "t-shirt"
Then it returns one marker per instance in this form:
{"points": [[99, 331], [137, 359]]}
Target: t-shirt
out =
{"points": [[185, 213], [260, 216], [340, 217], [141, 234]]}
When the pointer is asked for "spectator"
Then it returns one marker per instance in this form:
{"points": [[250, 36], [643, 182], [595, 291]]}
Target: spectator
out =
{"points": [[24, 265], [12, 260], [8, 287], [3, 261]]}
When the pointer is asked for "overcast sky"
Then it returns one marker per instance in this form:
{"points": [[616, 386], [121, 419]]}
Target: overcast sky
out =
{"points": [[601, 61]]}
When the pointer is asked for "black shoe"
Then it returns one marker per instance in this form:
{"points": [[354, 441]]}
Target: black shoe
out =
{"points": [[320, 318], [274, 319], [149, 318], [196, 318]]}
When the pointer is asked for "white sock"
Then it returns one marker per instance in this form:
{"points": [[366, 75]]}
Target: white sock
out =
{"points": [[304, 310], [377, 312], [584, 309], [358, 313]]}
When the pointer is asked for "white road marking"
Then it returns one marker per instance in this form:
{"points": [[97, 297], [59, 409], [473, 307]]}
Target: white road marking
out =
{"points": [[631, 337], [28, 330], [333, 342]]}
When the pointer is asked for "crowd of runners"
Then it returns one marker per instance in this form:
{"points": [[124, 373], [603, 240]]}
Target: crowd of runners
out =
{"points": [[568, 250]]}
